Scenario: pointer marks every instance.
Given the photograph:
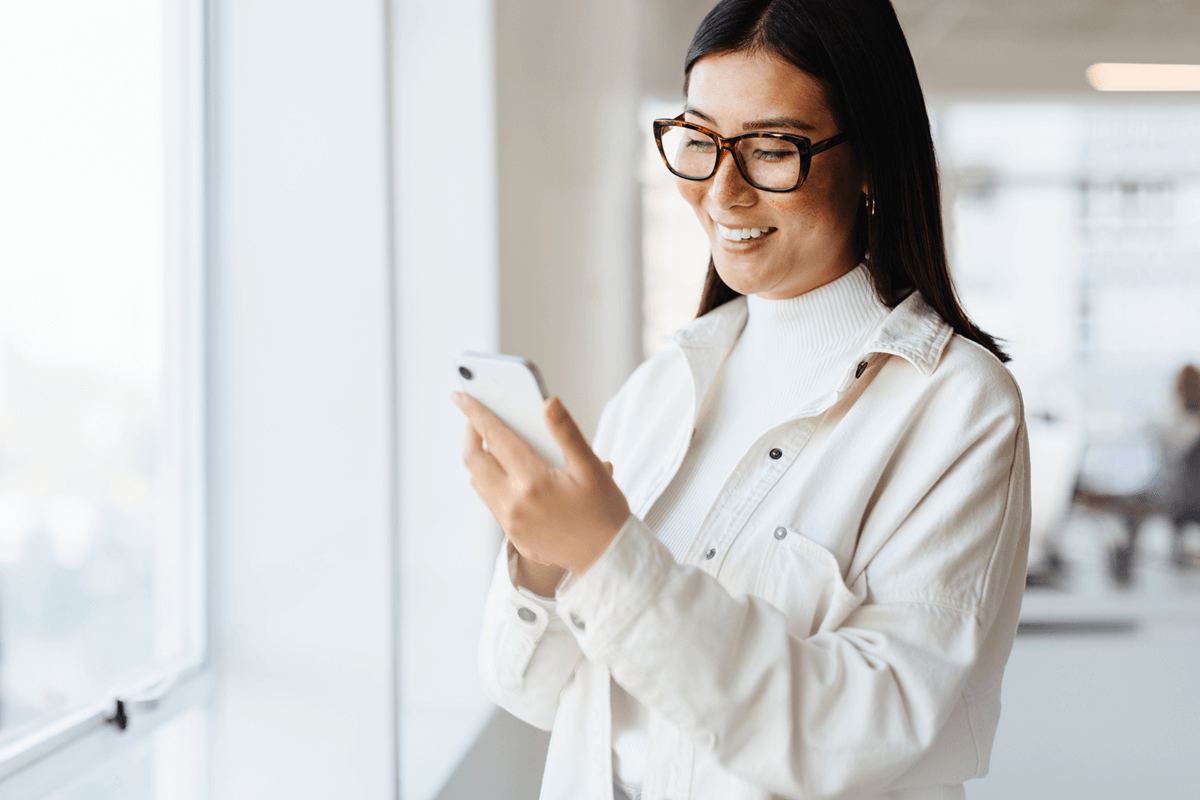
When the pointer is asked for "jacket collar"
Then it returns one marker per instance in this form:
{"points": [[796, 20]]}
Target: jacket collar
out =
{"points": [[912, 330]]}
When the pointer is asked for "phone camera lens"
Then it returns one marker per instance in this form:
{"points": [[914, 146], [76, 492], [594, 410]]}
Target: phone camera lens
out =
{"points": [[466, 373]]}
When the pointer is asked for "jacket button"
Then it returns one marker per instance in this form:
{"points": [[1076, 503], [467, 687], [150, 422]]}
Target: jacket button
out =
{"points": [[781, 532], [577, 621], [525, 614], [776, 453], [709, 555], [862, 366]]}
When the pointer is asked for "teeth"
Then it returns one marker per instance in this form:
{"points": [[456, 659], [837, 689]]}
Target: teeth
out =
{"points": [[738, 234]]}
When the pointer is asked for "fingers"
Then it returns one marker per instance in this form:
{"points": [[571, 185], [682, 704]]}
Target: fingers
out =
{"points": [[510, 450], [575, 447], [487, 476], [473, 451]]}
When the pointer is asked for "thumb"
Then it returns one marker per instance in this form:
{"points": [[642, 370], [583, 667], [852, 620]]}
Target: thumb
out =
{"points": [[576, 450], [610, 467]]}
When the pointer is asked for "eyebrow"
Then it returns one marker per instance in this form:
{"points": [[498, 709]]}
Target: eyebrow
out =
{"points": [[759, 124]]}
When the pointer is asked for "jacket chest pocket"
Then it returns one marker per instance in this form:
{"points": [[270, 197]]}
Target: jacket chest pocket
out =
{"points": [[803, 580]]}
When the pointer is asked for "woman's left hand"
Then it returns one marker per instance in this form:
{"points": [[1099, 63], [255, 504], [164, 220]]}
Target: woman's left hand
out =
{"points": [[564, 516]]}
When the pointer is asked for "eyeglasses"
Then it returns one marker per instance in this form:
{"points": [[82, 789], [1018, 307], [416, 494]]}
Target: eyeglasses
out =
{"points": [[773, 162]]}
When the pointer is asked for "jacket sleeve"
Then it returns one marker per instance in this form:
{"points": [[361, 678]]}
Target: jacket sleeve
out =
{"points": [[526, 653], [852, 707]]}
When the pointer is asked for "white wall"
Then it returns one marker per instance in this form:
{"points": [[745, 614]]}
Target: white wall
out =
{"points": [[570, 236], [302, 415]]}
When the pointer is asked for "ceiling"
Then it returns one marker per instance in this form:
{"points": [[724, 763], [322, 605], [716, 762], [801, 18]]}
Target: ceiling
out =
{"points": [[983, 46]]}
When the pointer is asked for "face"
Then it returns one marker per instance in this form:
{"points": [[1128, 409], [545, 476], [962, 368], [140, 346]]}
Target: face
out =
{"points": [[806, 236]]}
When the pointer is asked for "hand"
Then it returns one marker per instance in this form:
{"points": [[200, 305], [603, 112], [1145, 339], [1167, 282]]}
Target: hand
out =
{"points": [[564, 517]]}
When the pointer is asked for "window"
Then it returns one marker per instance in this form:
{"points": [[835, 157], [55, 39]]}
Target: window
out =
{"points": [[100, 365]]}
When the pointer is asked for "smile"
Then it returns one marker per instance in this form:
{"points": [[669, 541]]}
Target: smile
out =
{"points": [[738, 234]]}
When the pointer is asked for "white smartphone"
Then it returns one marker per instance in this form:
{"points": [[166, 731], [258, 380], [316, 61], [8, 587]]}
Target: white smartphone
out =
{"points": [[511, 388]]}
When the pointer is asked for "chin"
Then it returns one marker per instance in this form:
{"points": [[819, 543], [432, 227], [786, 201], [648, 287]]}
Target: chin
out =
{"points": [[740, 282]]}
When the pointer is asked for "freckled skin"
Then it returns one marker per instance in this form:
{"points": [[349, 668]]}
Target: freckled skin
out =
{"points": [[814, 241]]}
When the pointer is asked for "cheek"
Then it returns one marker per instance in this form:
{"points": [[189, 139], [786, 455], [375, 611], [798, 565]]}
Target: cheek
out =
{"points": [[791, 213], [817, 206], [841, 186]]}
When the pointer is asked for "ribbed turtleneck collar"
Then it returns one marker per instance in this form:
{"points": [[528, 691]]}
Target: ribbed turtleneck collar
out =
{"points": [[840, 313]]}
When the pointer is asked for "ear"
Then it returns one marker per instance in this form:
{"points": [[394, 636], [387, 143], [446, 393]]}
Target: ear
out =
{"points": [[866, 184]]}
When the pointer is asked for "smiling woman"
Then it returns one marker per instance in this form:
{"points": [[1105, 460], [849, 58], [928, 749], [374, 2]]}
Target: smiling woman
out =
{"points": [[803, 575]]}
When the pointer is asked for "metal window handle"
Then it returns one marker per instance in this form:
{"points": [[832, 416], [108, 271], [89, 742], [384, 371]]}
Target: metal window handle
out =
{"points": [[119, 718]]}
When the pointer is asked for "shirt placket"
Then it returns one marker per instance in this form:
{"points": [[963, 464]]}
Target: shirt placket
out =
{"points": [[754, 477]]}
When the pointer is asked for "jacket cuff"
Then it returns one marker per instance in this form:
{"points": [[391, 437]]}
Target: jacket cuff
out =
{"points": [[524, 615], [599, 604]]}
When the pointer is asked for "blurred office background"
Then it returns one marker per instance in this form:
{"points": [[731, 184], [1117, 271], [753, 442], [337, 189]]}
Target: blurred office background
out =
{"points": [[241, 243]]}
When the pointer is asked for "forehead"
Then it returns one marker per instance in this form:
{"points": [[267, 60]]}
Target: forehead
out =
{"points": [[734, 89]]}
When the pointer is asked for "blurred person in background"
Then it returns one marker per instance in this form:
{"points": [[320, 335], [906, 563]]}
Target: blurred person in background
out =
{"points": [[792, 560], [1170, 486], [1176, 489]]}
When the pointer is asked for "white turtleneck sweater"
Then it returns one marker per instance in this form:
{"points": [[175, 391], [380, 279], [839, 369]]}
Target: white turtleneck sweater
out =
{"points": [[790, 353]]}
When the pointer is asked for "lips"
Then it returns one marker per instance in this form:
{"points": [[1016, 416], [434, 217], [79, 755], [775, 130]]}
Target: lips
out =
{"points": [[740, 234]]}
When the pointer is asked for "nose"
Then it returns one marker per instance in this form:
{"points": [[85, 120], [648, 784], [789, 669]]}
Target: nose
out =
{"points": [[727, 187]]}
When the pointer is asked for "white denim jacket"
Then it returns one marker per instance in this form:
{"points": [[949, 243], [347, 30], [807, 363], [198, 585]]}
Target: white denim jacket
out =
{"points": [[838, 628]]}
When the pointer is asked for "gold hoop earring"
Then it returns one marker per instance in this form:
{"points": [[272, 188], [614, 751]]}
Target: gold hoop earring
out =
{"points": [[870, 200]]}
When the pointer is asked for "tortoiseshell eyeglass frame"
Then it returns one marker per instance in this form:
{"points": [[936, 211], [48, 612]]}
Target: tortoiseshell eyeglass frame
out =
{"points": [[807, 149]]}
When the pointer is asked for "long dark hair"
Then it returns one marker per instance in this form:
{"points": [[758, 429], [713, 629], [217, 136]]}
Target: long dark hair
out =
{"points": [[858, 51]]}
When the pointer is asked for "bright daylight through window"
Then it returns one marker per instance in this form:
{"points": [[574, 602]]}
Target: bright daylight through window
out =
{"points": [[99, 488]]}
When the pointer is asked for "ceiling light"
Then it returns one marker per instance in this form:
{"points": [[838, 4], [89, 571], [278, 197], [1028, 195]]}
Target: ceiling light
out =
{"points": [[1144, 77]]}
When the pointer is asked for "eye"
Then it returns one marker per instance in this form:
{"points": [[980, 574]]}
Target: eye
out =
{"points": [[773, 154], [698, 143]]}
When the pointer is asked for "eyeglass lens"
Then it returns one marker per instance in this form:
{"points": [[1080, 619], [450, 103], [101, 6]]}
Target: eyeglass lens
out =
{"points": [[767, 163]]}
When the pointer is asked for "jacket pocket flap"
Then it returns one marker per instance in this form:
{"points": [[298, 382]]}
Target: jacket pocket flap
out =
{"points": [[803, 579]]}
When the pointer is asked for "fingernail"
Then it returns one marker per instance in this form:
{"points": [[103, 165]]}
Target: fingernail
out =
{"points": [[457, 398]]}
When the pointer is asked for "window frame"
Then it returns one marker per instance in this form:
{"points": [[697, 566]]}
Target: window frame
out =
{"points": [[70, 745]]}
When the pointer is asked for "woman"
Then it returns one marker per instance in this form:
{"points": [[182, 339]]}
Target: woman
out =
{"points": [[802, 578]]}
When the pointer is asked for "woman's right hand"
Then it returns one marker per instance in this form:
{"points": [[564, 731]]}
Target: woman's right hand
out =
{"points": [[539, 578]]}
